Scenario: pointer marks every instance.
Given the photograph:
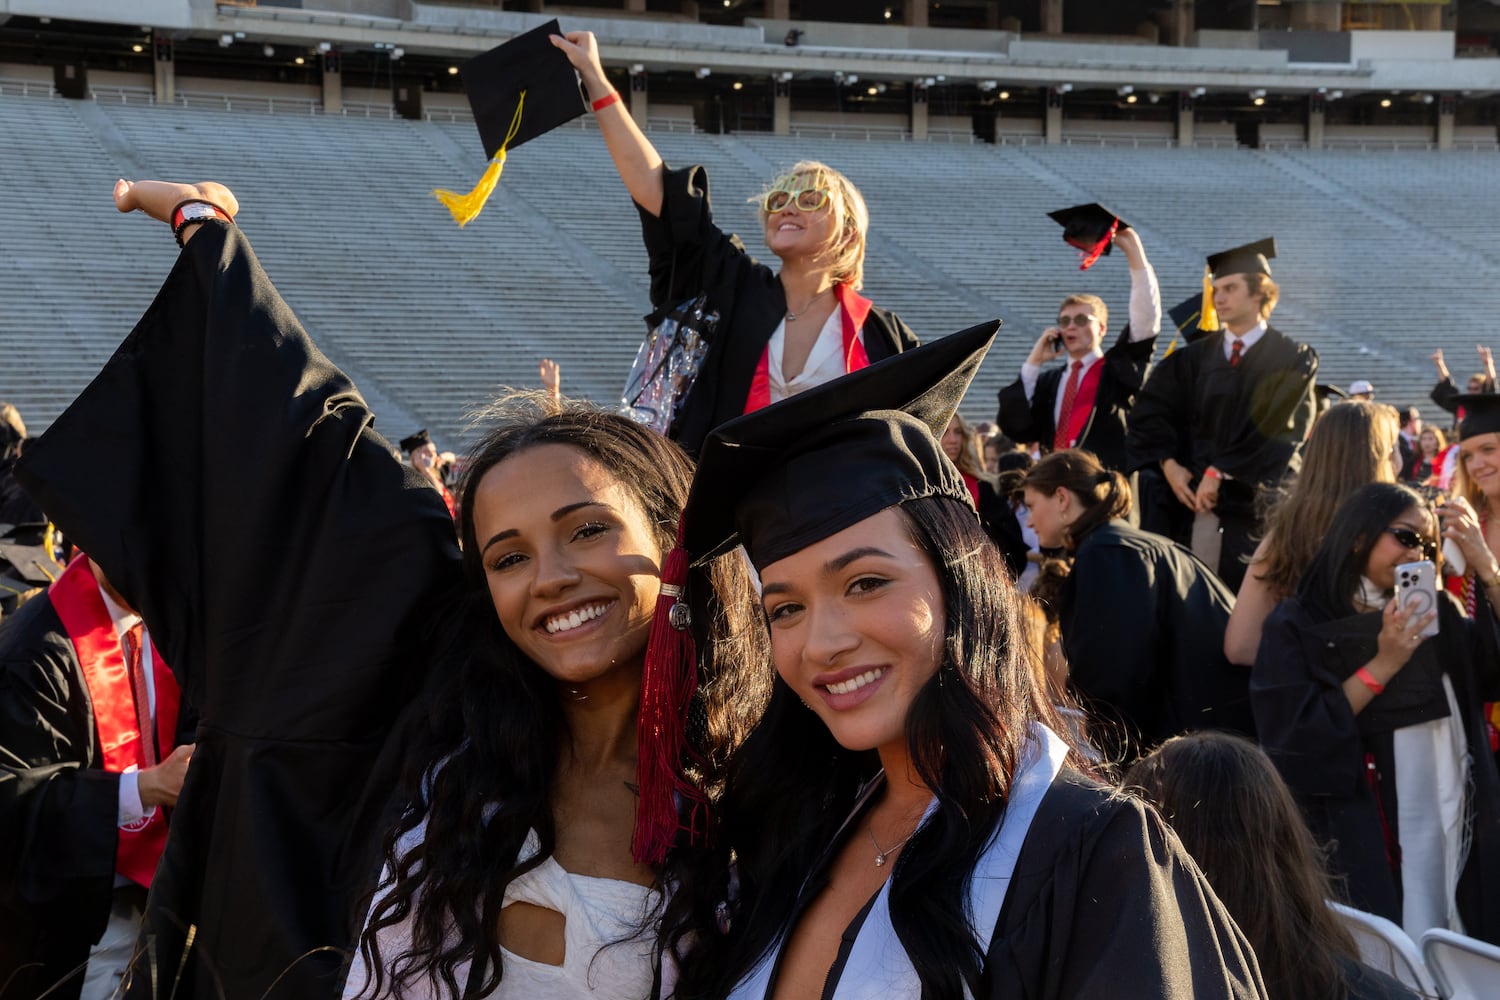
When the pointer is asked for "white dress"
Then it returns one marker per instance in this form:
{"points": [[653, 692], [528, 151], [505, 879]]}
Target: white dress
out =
{"points": [[608, 938]]}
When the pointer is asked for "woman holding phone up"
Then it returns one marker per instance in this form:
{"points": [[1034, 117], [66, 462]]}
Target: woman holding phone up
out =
{"points": [[1375, 722]]}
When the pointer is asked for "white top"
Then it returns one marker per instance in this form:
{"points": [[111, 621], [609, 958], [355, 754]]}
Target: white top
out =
{"points": [[608, 941], [1145, 321], [878, 967], [1250, 339], [824, 364]]}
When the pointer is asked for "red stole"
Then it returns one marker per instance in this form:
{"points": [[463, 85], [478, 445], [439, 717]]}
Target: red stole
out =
{"points": [[1083, 403], [76, 598], [448, 500], [972, 483], [855, 308]]}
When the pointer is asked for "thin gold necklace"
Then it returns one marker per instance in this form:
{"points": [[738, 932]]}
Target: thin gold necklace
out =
{"points": [[793, 316], [882, 853]]}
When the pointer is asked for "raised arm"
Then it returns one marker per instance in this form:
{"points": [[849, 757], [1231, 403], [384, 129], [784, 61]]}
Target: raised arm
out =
{"points": [[638, 162], [1145, 295]]}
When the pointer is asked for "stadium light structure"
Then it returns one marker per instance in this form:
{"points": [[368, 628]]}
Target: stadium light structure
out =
{"points": [[269, 51], [1130, 98], [225, 41], [1004, 95], [452, 70], [785, 76], [1199, 91], [1064, 88], [1125, 90], [138, 47], [1385, 102], [397, 53], [325, 47]]}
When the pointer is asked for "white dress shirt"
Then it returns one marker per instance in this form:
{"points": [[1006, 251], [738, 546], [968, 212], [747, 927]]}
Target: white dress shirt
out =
{"points": [[825, 362], [131, 810]]}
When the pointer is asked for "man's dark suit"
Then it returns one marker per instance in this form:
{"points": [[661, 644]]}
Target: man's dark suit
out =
{"points": [[1125, 366]]}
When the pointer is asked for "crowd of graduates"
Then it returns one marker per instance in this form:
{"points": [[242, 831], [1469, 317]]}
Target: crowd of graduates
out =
{"points": [[823, 692]]}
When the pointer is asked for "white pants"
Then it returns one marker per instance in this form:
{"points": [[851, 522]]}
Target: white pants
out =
{"points": [[109, 959]]}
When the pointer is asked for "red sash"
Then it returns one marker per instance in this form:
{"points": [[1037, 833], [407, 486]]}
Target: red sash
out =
{"points": [[1083, 403], [855, 308], [76, 598]]}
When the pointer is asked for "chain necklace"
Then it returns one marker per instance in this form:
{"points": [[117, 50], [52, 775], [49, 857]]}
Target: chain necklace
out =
{"points": [[882, 853], [793, 316]]}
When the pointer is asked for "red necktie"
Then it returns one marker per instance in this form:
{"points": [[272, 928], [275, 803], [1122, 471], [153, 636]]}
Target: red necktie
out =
{"points": [[1234, 353], [1060, 436], [134, 640]]}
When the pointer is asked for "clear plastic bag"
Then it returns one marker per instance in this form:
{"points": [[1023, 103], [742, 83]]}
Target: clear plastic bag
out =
{"points": [[666, 366]]}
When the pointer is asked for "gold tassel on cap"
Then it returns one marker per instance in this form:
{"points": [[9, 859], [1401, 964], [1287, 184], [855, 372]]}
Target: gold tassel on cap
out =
{"points": [[1209, 317], [465, 208]]}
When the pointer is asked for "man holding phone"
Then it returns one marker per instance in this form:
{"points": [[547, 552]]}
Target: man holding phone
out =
{"points": [[1084, 403]]}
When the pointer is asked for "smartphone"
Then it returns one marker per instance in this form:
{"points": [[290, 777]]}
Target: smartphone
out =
{"points": [[1056, 341], [1416, 590]]}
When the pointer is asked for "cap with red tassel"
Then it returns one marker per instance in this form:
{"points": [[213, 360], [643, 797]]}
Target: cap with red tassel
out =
{"points": [[668, 682]]}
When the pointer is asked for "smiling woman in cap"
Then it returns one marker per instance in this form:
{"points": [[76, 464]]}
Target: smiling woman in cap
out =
{"points": [[778, 333], [905, 820]]}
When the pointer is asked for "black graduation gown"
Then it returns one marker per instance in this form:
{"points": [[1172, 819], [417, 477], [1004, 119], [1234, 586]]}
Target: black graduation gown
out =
{"points": [[690, 255], [58, 806], [1248, 422], [281, 557], [1143, 629], [1103, 902], [1000, 523], [1326, 753], [1125, 367]]}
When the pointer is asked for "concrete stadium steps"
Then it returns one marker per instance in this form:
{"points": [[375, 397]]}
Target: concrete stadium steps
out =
{"points": [[1384, 256]]}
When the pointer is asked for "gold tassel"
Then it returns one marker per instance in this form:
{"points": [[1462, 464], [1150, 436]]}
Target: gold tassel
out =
{"points": [[1208, 318], [465, 208]]}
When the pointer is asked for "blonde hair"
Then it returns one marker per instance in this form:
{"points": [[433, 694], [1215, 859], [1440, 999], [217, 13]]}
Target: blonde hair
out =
{"points": [[845, 253], [1350, 445], [1094, 302], [970, 461]]}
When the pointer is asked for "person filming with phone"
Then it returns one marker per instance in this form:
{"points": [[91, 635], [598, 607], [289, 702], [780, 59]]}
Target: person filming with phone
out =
{"points": [[1368, 693]]}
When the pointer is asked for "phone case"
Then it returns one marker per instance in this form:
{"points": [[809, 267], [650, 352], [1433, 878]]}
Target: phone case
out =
{"points": [[1416, 590]]}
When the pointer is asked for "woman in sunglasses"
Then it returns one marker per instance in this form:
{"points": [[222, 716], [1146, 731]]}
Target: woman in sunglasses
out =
{"points": [[1376, 724], [779, 333]]}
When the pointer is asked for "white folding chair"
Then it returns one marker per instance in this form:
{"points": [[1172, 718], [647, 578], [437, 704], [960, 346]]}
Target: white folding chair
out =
{"points": [[1387, 948], [1465, 968]]}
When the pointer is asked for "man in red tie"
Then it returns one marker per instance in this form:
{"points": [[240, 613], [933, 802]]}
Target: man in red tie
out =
{"points": [[1084, 403], [1224, 418], [93, 753]]}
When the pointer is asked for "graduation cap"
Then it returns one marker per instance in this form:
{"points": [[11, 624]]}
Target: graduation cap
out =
{"points": [[518, 91], [1480, 413], [1091, 228], [1328, 394], [29, 568], [417, 440], [1191, 321], [778, 480], [1252, 258]]}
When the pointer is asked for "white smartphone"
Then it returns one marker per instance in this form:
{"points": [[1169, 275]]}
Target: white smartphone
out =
{"points": [[1416, 590]]}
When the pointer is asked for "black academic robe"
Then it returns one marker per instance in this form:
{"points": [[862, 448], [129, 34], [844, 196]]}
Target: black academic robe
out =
{"points": [[1125, 366], [1103, 902], [690, 255], [1142, 623], [59, 808], [1445, 394], [1334, 760], [1248, 422], [1000, 523], [281, 557]]}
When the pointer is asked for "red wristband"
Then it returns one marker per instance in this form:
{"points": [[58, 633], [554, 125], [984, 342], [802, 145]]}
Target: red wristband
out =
{"points": [[613, 97], [1368, 680], [1212, 473]]}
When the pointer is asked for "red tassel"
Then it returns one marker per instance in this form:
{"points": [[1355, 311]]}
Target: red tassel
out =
{"points": [[1093, 253], [668, 681]]}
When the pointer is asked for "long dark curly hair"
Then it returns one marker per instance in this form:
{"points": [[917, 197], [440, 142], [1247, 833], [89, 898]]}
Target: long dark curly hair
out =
{"points": [[482, 753], [791, 784]]}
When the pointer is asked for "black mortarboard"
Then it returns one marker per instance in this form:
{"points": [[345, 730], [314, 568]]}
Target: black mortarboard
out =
{"points": [[519, 90], [1091, 228], [784, 477], [1481, 414], [1188, 319], [1328, 395], [1252, 258], [32, 565], [417, 440]]}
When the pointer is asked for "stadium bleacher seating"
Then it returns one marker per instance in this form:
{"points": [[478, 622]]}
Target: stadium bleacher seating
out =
{"points": [[1384, 256]]}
